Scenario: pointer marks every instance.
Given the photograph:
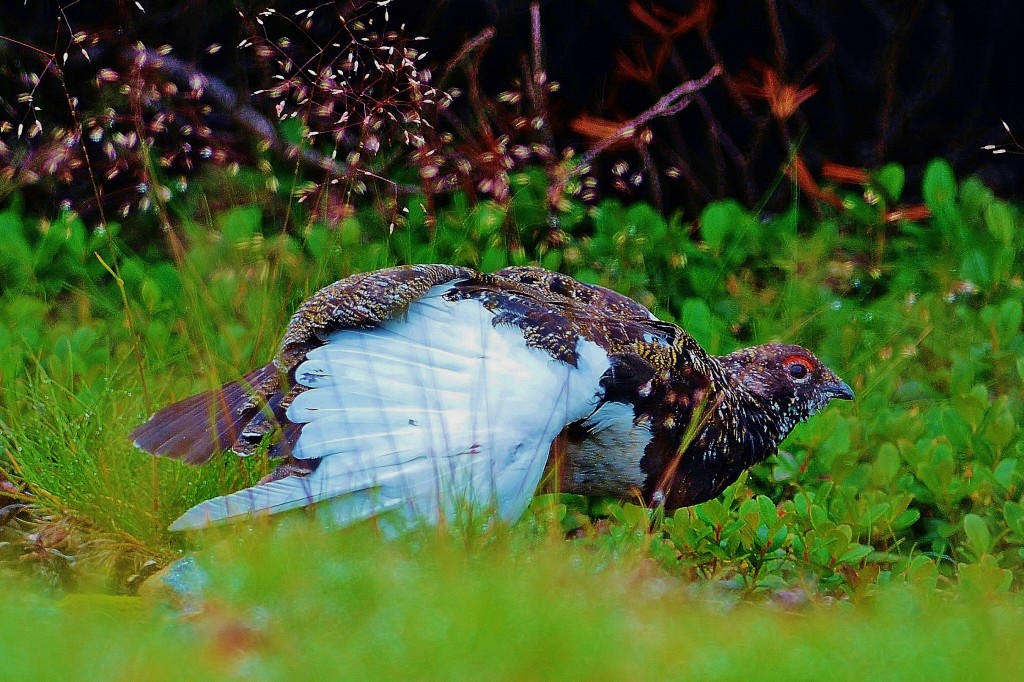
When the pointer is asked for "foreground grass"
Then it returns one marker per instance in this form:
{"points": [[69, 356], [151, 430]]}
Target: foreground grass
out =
{"points": [[298, 602]]}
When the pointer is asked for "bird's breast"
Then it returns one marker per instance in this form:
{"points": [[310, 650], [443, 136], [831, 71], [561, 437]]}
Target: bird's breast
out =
{"points": [[601, 455]]}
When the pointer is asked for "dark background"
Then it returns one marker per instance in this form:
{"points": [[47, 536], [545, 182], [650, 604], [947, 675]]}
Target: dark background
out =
{"points": [[902, 81]]}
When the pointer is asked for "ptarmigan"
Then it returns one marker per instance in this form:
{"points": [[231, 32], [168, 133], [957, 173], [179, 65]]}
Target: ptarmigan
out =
{"points": [[426, 389]]}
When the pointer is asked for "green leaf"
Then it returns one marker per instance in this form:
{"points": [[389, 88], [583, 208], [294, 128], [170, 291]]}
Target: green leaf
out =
{"points": [[712, 512], [47, 247], [725, 227], [974, 196], [767, 510], [241, 223], [1013, 512], [907, 519], [647, 223], [977, 534], [293, 131], [635, 516], [985, 577], [975, 267], [715, 222], [696, 320], [819, 516], [552, 260], [1004, 472], [150, 292], [705, 280], [887, 464], [999, 219], [573, 216], [962, 373], [317, 242], [855, 553], [486, 218], [350, 232], [529, 206], [939, 186], [493, 259], [75, 235], [16, 254], [860, 209], [1000, 431], [972, 406], [956, 430], [604, 506], [890, 178], [1008, 323]]}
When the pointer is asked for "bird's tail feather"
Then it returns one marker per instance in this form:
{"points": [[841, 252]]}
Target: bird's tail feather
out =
{"points": [[283, 495], [197, 428]]}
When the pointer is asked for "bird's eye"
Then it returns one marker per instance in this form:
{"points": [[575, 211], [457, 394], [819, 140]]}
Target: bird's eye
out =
{"points": [[798, 367]]}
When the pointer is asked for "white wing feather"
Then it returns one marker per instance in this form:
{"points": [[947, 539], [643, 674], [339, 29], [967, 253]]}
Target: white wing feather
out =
{"points": [[430, 411]]}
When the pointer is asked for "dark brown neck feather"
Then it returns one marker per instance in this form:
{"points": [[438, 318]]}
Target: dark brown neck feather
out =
{"points": [[703, 449]]}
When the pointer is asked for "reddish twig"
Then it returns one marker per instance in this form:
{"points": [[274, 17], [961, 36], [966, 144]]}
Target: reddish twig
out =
{"points": [[477, 42], [672, 103], [537, 82]]}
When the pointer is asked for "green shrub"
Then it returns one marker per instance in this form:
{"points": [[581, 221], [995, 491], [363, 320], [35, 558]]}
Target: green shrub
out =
{"points": [[918, 480]]}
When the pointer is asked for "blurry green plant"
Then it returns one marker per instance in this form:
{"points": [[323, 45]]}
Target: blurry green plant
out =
{"points": [[297, 601]]}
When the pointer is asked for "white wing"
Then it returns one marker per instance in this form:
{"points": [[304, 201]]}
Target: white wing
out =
{"points": [[428, 412]]}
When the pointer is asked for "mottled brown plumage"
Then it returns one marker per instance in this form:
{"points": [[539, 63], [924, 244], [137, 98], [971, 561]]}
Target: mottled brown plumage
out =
{"points": [[673, 424]]}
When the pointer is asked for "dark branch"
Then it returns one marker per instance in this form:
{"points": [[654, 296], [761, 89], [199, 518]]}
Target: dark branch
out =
{"points": [[672, 103], [478, 42]]}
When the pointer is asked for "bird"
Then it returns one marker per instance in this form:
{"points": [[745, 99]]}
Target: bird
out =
{"points": [[417, 392]]}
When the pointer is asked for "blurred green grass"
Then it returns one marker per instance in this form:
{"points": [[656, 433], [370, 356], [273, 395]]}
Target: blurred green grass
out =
{"points": [[300, 602]]}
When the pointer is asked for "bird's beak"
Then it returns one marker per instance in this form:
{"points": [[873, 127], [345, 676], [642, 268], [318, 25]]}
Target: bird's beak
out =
{"points": [[841, 390]]}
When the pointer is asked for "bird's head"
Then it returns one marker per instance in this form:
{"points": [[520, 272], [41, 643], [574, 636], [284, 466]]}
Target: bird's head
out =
{"points": [[788, 381]]}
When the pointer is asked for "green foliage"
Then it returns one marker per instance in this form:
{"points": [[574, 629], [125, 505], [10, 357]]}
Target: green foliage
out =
{"points": [[919, 481]]}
